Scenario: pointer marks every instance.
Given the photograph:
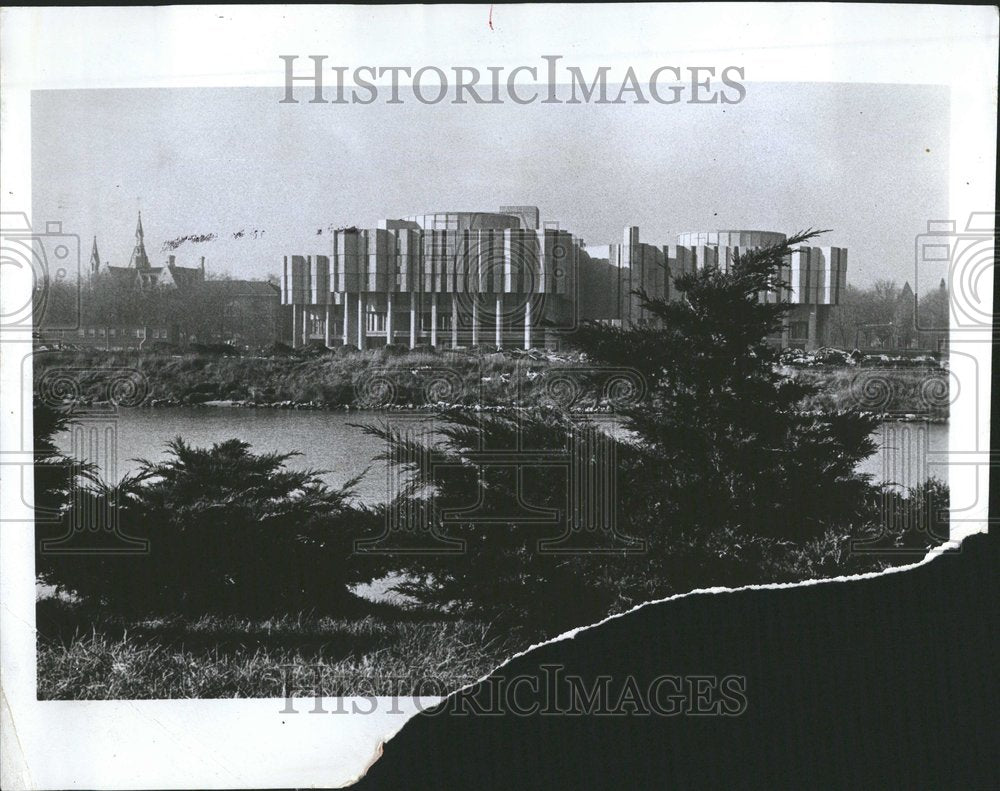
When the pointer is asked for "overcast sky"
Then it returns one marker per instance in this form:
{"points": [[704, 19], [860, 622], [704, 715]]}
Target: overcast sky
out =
{"points": [[867, 161]]}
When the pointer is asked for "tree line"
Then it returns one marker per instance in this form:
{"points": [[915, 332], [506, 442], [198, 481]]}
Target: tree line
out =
{"points": [[216, 310], [889, 316]]}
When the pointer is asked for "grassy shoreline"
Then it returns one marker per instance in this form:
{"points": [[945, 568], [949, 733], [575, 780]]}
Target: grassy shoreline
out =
{"points": [[425, 380]]}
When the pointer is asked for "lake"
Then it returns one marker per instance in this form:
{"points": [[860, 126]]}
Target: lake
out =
{"points": [[328, 441]]}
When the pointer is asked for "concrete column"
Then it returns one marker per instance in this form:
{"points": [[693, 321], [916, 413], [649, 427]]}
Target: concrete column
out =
{"points": [[346, 305], [527, 324], [413, 320], [475, 320], [434, 319], [454, 321], [295, 326], [306, 315], [362, 326], [499, 327], [811, 341], [388, 318], [327, 330], [785, 333]]}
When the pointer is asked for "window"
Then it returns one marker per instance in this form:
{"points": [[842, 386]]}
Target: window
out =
{"points": [[376, 322], [799, 330], [112, 332], [90, 332], [443, 321]]}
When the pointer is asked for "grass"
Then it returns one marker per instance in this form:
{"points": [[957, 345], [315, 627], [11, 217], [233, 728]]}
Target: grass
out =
{"points": [[85, 657]]}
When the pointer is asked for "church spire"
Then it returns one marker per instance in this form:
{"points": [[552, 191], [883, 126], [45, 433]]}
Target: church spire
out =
{"points": [[139, 258], [95, 259]]}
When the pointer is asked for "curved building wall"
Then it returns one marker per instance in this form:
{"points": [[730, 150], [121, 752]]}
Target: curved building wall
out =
{"points": [[465, 221], [730, 238]]}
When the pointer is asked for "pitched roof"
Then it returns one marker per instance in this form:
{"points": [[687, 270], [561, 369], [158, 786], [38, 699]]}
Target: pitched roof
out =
{"points": [[185, 276], [121, 273]]}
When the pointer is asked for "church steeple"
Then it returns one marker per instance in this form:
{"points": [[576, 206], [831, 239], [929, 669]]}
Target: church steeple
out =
{"points": [[95, 259], [139, 258]]}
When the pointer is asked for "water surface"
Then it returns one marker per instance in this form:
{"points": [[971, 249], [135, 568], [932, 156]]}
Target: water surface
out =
{"points": [[330, 441]]}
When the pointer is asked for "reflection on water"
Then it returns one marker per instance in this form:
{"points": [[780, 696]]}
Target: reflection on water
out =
{"points": [[330, 441], [909, 453]]}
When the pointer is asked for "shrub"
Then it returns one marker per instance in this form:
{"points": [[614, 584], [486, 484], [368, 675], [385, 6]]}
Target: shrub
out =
{"points": [[224, 349], [228, 531], [393, 350], [277, 349]]}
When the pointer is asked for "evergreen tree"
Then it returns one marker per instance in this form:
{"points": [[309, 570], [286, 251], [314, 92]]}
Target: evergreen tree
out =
{"points": [[724, 439], [720, 473]]}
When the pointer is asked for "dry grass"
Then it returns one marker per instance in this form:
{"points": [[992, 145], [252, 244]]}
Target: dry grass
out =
{"points": [[922, 392], [226, 657], [327, 379], [336, 380]]}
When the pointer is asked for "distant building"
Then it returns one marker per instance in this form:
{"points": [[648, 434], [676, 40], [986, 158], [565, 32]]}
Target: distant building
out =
{"points": [[446, 279], [144, 276], [138, 305], [451, 279]]}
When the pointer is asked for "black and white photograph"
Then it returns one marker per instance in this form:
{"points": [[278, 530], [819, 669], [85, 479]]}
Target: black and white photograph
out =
{"points": [[359, 360]]}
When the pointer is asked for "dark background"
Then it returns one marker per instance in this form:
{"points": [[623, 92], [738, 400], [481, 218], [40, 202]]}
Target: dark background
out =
{"points": [[880, 683]]}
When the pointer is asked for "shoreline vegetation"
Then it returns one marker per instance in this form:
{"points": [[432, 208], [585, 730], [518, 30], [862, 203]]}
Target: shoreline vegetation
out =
{"points": [[429, 381]]}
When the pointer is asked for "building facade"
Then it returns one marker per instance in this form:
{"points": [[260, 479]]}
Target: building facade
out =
{"points": [[445, 279], [143, 276], [816, 277], [504, 279]]}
